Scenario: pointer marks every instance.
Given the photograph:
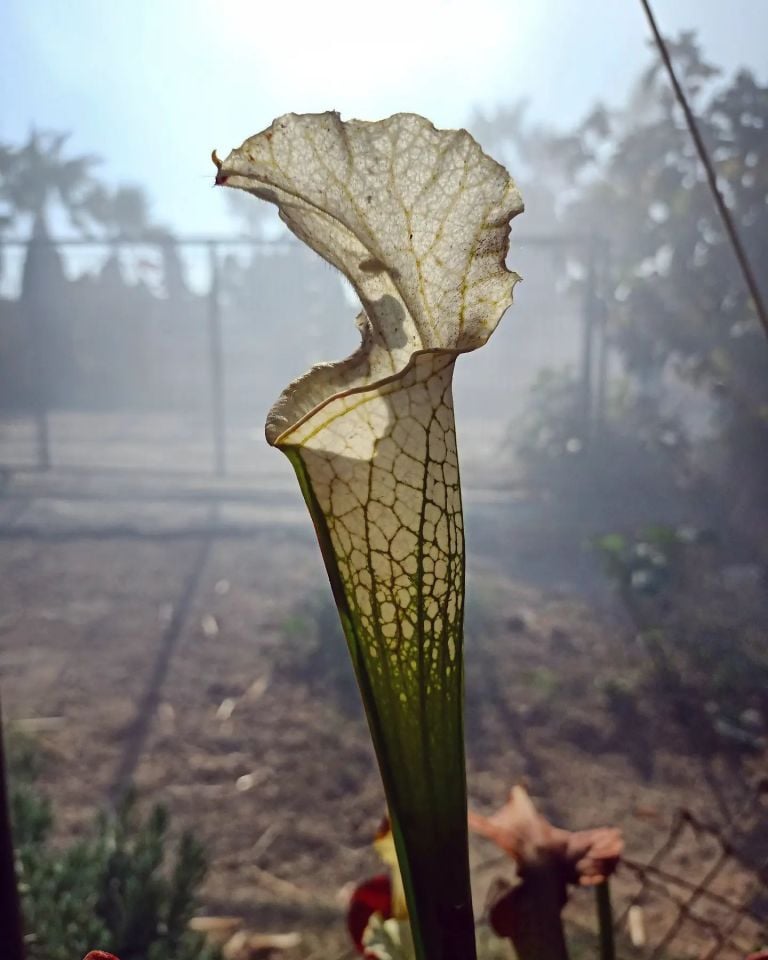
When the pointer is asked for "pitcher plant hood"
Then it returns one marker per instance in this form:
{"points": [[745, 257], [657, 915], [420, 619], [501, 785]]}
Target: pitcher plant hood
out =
{"points": [[416, 218]]}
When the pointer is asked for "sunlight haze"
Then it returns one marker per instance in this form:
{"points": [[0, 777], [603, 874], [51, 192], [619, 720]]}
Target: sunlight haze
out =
{"points": [[153, 87]]}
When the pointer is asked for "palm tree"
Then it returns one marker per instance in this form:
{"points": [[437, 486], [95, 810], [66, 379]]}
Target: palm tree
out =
{"points": [[34, 178], [124, 213], [38, 174]]}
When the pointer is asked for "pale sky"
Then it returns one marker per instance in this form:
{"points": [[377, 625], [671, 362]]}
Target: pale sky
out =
{"points": [[153, 85]]}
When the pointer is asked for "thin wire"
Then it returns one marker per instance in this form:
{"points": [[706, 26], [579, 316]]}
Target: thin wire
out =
{"points": [[725, 214]]}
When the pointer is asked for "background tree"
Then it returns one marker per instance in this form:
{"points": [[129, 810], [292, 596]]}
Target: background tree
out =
{"points": [[678, 311], [122, 213], [38, 174]]}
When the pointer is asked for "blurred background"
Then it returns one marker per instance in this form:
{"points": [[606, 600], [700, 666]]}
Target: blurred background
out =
{"points": [[165, 622]]}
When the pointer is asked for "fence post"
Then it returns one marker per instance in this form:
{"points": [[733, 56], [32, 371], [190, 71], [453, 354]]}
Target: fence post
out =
{"points": [[37, 366], [216, 366], [43, 437]]}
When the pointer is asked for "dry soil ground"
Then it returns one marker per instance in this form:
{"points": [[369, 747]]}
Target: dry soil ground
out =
{"points": [[197, 663]]}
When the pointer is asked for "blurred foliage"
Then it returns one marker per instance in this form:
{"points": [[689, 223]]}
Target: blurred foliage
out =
{"points": [[702, 625], [651, 561], [87, 341], [39, 175], [675, 303], [636, 446], [123, 887], [129, 332]]}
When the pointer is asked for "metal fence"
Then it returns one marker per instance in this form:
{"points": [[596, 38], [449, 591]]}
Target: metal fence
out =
{"points": [[210, 366], [704, 892], [43, 344]]}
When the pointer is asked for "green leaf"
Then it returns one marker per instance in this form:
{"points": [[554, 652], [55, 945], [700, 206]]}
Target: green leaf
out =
{"points": [[612, 543]]}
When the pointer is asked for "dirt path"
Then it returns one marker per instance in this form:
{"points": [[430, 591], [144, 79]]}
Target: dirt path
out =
{"points": [[181, 662]]}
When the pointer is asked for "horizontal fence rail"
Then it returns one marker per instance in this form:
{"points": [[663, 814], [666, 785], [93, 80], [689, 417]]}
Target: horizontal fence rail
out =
{"points": [[213, 368]]}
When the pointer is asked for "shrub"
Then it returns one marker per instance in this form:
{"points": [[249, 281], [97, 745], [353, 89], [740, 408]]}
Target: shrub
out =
{"points": [[123, 887]]}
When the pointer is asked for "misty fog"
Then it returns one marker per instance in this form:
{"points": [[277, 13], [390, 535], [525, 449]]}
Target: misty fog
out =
{"points": [[165, 618]]}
